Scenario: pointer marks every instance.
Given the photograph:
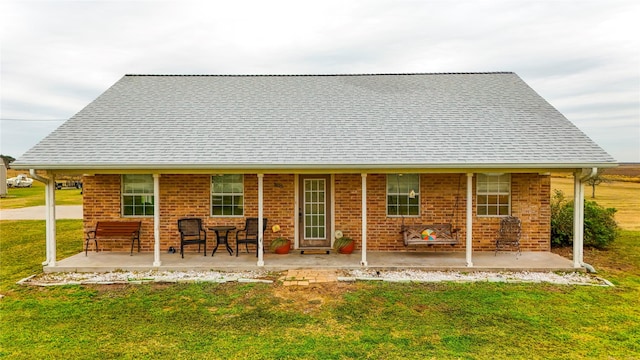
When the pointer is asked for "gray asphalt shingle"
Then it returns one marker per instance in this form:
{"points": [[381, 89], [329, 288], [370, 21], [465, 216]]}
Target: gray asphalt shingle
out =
{"points": [[430, 120]]}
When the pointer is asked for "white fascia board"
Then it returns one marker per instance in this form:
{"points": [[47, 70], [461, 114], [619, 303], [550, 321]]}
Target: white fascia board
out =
{"points": [[313, 167]]}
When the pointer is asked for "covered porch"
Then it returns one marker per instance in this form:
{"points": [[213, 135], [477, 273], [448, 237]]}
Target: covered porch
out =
{"points": [[435, 261], [156, 257]]}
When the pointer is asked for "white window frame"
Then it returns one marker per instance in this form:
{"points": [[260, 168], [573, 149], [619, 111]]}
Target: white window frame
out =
{"points": [[497, 186], [233, 194], [128, 191], [393, 180]]}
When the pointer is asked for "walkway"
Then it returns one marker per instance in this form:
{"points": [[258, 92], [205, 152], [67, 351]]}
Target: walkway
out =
{"points": [[305, 277], [38, 213]]}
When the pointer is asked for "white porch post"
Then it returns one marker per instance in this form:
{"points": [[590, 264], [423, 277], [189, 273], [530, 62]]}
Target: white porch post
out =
{"points": [[578, 220], [469, 230], [363, 262], [156, 220], [50, 227], [260, 220], [50, 216]]}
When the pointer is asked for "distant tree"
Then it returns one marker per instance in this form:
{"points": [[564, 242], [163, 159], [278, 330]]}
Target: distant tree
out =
{"points": [[7, 159], [595, 181]]}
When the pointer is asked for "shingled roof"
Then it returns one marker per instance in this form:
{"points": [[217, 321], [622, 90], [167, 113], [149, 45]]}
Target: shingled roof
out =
{"points": [[459, 120]]}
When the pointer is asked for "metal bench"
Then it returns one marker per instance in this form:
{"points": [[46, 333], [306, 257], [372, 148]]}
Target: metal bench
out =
{"points": [[110, 229], [429, 234]]}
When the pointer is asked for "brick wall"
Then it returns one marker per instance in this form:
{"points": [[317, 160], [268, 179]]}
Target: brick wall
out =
{"points": [[442, 198], [438, 194], [188, 196], [102, 201]]}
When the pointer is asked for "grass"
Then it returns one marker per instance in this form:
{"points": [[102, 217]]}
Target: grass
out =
{"points": [[332, 321], [328, 321], [34, 196]]}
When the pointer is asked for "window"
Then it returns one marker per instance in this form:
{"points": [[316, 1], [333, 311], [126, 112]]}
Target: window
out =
{"points": [[227, 195], [403, 195], [137, 195], [493, 194]]}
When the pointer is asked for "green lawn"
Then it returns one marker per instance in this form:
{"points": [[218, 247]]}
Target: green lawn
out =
{"points": [[34, 196], [334, 321]]}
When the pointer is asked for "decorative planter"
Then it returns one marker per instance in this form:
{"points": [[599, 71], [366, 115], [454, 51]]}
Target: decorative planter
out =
{"points": [[347, 249], [283, 249]]}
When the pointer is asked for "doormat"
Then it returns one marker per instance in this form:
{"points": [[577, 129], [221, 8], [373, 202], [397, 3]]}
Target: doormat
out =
{"points": [[315, 252]]}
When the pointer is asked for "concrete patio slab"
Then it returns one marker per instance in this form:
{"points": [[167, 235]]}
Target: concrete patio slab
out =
{"points": [[436, 261]]}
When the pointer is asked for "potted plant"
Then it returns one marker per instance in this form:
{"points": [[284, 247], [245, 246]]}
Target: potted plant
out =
{"points": [[279, 245], [343, 244]]}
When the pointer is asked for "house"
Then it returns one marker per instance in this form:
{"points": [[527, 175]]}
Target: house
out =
{"points": [[363, 154]]}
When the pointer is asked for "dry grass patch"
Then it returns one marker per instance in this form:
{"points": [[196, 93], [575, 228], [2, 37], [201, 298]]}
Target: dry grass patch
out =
{"points": [[312, 297], [624, 196]]}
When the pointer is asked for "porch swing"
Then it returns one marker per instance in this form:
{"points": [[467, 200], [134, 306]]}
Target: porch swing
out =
{"points": [[433, 234]]}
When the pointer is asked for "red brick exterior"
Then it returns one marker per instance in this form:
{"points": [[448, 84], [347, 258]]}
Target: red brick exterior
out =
{"points": [[442, 198]]}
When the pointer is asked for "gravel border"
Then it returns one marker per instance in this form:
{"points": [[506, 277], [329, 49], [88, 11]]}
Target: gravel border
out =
{"points": [[131, 277], [141, 277], [572, 278]]}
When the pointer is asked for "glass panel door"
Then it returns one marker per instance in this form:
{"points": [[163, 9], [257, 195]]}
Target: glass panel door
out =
{"points": [[314, 213], [315, 226]]}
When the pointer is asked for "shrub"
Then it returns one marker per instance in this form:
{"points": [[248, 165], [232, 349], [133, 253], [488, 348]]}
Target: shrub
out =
{"points": [[600, 227]]}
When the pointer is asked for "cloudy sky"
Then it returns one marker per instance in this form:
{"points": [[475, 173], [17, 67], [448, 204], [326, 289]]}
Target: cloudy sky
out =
{"points": [[582, 56]]}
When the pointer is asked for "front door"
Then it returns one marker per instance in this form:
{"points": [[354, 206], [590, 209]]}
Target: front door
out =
{"points": [[315, 211]]}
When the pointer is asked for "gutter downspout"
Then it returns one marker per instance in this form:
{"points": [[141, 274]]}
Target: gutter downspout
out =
{"points": [[578, 212], [50, 216]]}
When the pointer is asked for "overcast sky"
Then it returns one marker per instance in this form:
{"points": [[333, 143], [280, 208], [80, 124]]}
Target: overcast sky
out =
{"points": [[581, 56]]}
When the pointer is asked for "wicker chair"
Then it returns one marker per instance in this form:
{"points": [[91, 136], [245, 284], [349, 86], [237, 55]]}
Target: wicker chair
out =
{"points": [[191, 233], [249, 235], [509, 234]]}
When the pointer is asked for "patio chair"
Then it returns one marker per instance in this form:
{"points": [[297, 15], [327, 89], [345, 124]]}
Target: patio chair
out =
{"points": [[509, 234], [191, 233], [249, 235]]}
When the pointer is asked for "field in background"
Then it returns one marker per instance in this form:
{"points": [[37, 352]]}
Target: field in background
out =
{"points": [[629, 172], [624, 196]]}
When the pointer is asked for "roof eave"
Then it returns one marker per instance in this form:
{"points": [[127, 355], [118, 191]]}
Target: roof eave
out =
{"points": [[328, 166]]}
